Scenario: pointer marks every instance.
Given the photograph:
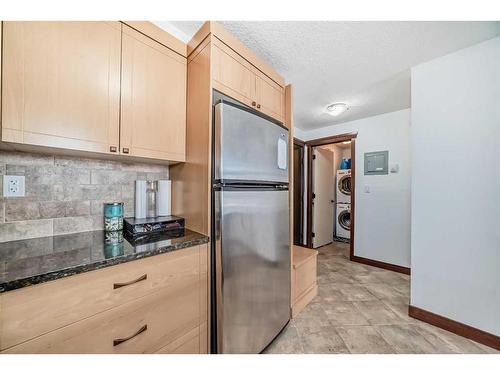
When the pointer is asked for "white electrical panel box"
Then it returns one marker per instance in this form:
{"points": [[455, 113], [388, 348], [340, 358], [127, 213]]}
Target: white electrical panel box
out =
{"points": [[376, 163]]}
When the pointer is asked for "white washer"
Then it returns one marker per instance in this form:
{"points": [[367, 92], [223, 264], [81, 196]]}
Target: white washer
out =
{"points": [[343, 222], [344, 186]]}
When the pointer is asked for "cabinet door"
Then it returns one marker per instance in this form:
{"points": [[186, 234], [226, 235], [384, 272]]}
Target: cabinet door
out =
{"points": [[233, 75], [270, 97], [61, 84], [153, 102]]}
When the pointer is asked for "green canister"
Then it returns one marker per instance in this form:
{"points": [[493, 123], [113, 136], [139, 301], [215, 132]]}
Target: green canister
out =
{"points": [[113, 216]]}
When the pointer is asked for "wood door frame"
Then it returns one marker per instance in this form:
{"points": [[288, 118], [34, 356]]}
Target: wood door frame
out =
{"points": [[302, 144], [298, 142], [321, 142]]}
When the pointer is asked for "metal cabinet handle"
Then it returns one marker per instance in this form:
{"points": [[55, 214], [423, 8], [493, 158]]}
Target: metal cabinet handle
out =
{"points": [[258, 105], [141, 330], [112, 148], [119, 285], [254, 103], [125, 150]]}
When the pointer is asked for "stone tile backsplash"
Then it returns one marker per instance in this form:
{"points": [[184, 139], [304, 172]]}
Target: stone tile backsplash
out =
{"points": [[66, 194]]}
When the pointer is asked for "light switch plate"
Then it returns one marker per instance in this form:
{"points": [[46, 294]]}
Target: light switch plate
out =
{"points": [[13, 186]]}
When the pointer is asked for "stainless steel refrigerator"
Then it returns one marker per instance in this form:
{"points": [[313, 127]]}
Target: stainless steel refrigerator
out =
{"points": [[251, 251]]}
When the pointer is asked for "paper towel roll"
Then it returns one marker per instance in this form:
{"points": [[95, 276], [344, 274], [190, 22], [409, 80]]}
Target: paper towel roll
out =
{"points": [[140, 199], [163, 196]]}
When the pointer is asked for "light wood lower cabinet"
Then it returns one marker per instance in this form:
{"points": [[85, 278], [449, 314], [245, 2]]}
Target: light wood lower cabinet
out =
{"points": [[140, 326], [187, 344], [61, 84], [88, 313], [304, 277], [153, 99]]}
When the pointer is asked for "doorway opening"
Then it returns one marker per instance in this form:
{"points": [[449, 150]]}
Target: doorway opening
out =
{"points": [[298, 191], [331, 190]]}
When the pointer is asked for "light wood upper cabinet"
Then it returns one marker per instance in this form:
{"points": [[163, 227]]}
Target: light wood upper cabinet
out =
{"points": [[153, 101], [65, 83], [234, 76], [270, 97], [61, 84], [239, 79]]}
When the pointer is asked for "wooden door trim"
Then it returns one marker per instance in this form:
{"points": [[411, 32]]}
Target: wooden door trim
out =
{"points": [[301, 144], [353, 197], [321, 142], [458, 328], [297, 141], [332, 139]]}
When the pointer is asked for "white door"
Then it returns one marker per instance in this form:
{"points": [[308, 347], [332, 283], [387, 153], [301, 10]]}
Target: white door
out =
{"points": [[323, 189]]}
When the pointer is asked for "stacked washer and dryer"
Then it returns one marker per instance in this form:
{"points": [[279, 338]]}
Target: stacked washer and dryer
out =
{"points": [[343, 212]]}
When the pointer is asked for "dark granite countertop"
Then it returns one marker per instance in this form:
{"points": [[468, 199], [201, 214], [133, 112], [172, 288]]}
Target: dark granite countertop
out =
{"points": [[38, 260]]}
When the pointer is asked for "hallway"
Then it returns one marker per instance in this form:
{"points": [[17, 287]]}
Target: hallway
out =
{"points": [[363, 309]]}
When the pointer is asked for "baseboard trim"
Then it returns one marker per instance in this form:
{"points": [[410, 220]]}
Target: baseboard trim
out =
{"points": [[379, 264], [460, 329]]}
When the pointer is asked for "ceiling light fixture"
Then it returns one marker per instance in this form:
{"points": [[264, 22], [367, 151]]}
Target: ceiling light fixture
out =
{"points": [[336, 109]]}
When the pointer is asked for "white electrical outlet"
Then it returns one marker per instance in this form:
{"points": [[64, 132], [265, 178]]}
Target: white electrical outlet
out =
{"points": [[13, 186]]}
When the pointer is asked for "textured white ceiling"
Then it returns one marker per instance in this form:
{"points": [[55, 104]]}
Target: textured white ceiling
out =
{"points": [[364, 64]]}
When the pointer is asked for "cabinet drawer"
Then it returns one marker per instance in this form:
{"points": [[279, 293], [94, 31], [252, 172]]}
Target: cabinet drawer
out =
{"points": [[186, 344], [143, 326], [33, 311]]}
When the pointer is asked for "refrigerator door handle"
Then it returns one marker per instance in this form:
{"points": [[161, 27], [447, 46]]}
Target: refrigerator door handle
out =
{"points": [[282, 151]]}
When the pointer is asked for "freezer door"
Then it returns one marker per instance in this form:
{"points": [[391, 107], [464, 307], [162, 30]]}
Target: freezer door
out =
{"points": [[249, 147], [253, 268]]}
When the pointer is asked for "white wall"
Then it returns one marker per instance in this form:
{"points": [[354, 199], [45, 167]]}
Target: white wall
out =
{"points": [[382, 217], [456, 186]]}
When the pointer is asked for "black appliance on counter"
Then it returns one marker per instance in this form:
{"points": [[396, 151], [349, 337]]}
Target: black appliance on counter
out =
{"points": [[156, 225]]}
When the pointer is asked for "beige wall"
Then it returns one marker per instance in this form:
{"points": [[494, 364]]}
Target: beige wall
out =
{"points": [[66, 194]]}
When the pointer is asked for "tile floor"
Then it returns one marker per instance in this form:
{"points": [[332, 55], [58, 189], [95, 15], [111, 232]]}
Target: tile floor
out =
{"points": [[363, 309]]}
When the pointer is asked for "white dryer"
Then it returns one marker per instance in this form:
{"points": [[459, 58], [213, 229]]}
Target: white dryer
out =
{"points": [[343, 186], [343, 222]]}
